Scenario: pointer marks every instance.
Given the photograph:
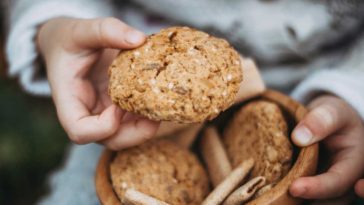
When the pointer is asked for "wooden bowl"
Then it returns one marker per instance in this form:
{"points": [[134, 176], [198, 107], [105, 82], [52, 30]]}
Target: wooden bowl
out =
{"points": [[305, 163]]}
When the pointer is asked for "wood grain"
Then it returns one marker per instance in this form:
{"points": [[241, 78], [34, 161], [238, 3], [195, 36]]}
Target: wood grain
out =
{"points": [[305, 164], [103, 184]]}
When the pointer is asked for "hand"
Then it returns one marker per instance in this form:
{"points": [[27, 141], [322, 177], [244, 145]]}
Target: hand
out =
{"points": [[77, 54], [335, 123]]}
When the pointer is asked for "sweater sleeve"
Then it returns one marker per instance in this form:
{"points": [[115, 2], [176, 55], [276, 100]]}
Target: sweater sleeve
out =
{"points": [[346, 85], [344, 79], [25, 17]]}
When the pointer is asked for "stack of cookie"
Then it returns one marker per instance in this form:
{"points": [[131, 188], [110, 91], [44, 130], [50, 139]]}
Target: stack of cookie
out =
{"points": [[187, 76]]}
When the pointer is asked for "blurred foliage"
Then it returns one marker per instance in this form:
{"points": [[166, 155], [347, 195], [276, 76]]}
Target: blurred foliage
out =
{"points": [[32, 144]]}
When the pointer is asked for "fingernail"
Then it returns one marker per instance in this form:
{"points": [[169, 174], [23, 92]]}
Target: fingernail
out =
{"points": [[134, 37], [303, 135]]}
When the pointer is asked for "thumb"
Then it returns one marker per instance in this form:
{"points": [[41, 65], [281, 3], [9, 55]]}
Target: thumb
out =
{"points": [[326, 117], [105, 33]]}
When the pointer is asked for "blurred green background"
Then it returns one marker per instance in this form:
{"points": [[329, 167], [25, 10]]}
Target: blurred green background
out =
{"points": [[32, 142]]}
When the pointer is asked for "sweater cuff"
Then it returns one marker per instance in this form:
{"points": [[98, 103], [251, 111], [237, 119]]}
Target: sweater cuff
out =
{"points": [[346, 85], [21, 49]]}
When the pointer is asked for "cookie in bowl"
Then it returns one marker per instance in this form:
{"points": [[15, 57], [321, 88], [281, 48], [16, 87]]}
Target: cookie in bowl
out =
{"points": [[179, 74], [267, 115], [259, 131], [160, 169]]}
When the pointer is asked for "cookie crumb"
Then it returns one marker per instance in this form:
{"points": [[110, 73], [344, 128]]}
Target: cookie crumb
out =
{"points": [[170, 86], [124, 185], [153, 81], [136, 53], [229, 77], [156, 90]]}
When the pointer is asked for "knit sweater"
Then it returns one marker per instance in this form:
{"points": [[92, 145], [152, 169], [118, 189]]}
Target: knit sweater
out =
{"points": [[305, 46]]}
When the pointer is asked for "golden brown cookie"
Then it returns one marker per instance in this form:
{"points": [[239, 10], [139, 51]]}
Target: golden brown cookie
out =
{"points": [[259, 131], [161, 169], [179, 74]]}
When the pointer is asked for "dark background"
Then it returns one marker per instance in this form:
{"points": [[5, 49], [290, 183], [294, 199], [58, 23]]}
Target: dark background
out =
{"points": [[32, 142]]}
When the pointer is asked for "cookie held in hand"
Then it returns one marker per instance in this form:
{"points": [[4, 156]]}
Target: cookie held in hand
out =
{"points": [[179, 74], [160, 169]]}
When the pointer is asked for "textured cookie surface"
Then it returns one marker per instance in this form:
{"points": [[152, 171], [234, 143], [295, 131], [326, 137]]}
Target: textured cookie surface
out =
{"points": [[259, 130], [160, 169], [179, 74]]}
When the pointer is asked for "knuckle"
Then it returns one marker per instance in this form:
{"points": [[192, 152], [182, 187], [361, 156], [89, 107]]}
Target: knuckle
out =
{"points": [[110, 20], [70, 130], [75, 137], [113, 123], [110, 128], [74, 27], [322, 118], [100, 27], [147, 136], [73, 37]]}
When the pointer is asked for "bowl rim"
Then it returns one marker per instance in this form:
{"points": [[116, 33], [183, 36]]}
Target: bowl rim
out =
{"points": [[305, 164]]}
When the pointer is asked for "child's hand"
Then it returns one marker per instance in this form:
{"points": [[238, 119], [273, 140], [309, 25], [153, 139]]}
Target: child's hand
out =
{"points": [[77, 63], [341, 130]]}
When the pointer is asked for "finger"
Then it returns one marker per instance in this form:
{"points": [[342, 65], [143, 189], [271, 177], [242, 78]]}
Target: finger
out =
{"points": [[81, 126], [132, 133], [93, 128], [359, 188], [320, 122], [106, 33], [131, 117], [334, 183]]}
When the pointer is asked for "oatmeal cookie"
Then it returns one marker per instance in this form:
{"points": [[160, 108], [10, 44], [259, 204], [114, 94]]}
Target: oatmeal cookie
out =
{"points": [[179, 74], [161, 169], [259, 131]]}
